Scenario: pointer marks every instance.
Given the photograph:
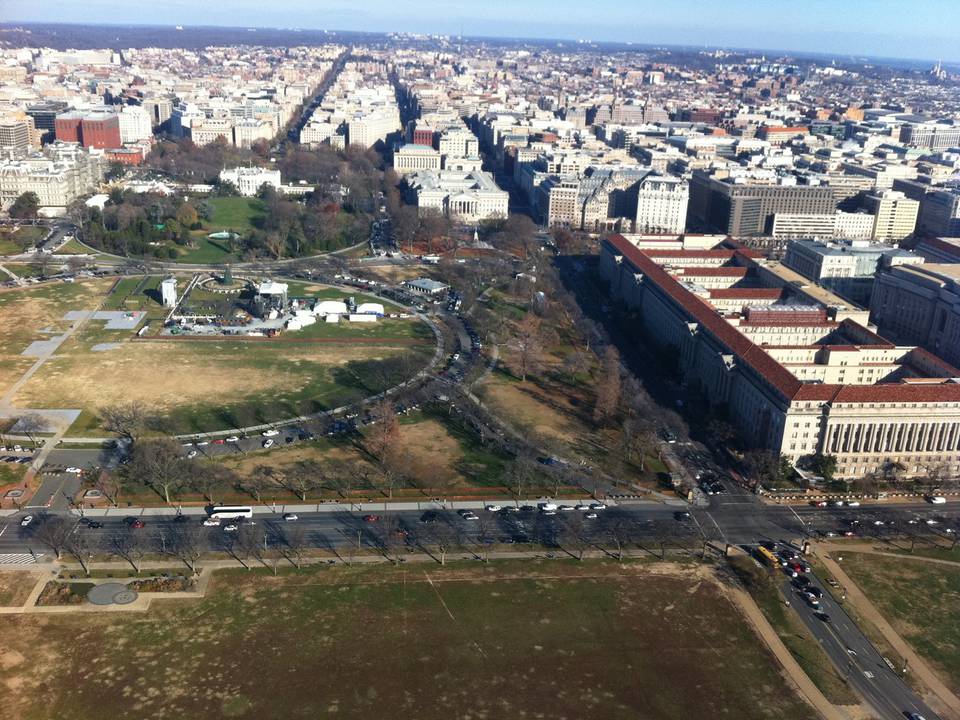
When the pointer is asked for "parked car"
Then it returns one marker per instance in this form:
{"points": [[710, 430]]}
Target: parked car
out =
{"points": [[192, 454], [74, 470], [371, 518], [230, 528], [232, 439], [268, 442], [137, 524], [493, 508], [430, 516], [270, 433], [211, 522], [290, 517], [26, 520]]}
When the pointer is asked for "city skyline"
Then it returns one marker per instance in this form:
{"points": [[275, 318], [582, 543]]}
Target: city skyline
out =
{"points": [[863, 30]]}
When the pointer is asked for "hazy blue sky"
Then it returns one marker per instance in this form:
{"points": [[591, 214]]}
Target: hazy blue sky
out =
{"points": [[894, 28]]}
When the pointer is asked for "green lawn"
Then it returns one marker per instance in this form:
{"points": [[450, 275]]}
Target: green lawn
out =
{"points": [[234, 213], [920, 600], [72, 247], [12, 243], [206, 251], [591, 641]]}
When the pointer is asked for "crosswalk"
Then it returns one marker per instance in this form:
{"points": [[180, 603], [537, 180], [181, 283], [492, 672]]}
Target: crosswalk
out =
{"points": [[20, 558]]}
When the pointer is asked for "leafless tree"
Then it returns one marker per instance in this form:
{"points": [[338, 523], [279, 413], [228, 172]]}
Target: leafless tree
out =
{"points": [[521, 476], [527, 345], [442, 536], [54, 531], [30, 424], [250, 541], [303, 478], [608, 386], [79, 545], [384, 435], [573, 535], [187, 543], [620, 532], [108, 483], [295, 544], [130, 545], [158, 464], [127, 419]]}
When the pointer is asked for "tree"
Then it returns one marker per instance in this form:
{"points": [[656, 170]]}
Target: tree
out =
{"points": [[130, 545], [108, 483], [765, 466], [620, 531], [159, 465], [637, 434], [520, 476], [127, 419], [608, 387], [825, 466], [303, 478], [25, 206], [526, 344], [187, 215], [187, 543], [251, 540], [573, 535], [295, 541], [209, 477], [384, 436], [80, 546], [54, 531]]}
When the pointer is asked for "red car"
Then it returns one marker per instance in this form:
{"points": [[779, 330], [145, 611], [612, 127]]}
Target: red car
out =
{"points": [[137, 524], [219, 441], [371, 518]]}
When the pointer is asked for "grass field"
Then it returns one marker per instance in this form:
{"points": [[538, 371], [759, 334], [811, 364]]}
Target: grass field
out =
{"points": [[207, 385], [204, 384], [25, 313], [12, 243], [15, 586], [920, 600], [72, 247], [533, 640], [206, 251]]}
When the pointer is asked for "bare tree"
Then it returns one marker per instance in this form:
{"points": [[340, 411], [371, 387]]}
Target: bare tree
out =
{"points": [[526, 344], [30, 424], [251, 541], [110, 484], [303, 478], [521, 476], [187, 543], [129, 545], [608, 386], [573, 535], [127, 419], [159, 465], [80, 546], [295, 543], [620, 531], [54, 531], [441, 536], [384, 435]]}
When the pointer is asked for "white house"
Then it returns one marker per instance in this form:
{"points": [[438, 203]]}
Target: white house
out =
{"points": [[249, 179]]}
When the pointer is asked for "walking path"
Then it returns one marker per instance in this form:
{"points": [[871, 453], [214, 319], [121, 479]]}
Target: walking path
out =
{"points": [[918, 666]]}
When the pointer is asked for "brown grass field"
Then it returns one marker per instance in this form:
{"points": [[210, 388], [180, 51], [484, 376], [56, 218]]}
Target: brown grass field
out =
{"points": [[522, 640]]}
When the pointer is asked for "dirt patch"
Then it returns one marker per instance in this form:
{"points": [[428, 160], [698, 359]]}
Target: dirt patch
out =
{"points": [[58, 593], [15, 586], [527, 406], [432, 452]]}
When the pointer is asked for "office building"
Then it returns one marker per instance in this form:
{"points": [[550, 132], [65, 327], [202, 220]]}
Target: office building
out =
{"points": [[940, 212], [920, 305], [662, 204], [894, 215], [467, 197], [410, 158], [795, 375]]}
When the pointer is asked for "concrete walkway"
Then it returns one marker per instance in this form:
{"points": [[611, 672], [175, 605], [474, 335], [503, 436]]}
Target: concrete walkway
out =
{"points": [[918, 666]]}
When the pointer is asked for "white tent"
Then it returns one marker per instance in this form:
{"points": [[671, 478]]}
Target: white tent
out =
{"points": [[330, 307], [370, 309]]}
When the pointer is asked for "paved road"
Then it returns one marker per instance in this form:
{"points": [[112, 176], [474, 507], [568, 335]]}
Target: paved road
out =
{"points": [[854, 656]]}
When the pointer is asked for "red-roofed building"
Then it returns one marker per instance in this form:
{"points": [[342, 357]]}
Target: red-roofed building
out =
{"points": [[814, 386]]}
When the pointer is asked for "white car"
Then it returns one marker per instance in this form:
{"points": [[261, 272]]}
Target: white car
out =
{"points": [[583, 506], [270, 433], [232, 438], [931, 521], [230, 528], [598, 506], [74, 470], [201, 443], [591, 516], [17, 448], [566, 508], [26, 521], [211, 522], [290, 517], [853, 503], [268, 442], [933, 499], [493, 508], [471, 516], [192, 454]]}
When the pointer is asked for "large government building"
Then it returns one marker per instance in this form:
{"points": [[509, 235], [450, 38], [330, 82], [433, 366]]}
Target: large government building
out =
{"points": [[796, 367]]}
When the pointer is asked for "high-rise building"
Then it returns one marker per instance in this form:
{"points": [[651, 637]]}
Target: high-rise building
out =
{"points": [[16, 133], [135, 124], [940, 212], [91, 129], [895, 215]]}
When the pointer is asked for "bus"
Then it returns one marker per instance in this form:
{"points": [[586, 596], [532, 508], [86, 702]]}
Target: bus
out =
{"points": [[231, 512], [768, 557]]}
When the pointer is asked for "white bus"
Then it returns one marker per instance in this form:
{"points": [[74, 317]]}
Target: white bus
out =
{"points": [[231, 512]]}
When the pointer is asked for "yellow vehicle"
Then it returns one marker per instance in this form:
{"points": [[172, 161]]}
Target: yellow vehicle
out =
{"points": [[768, 557]]}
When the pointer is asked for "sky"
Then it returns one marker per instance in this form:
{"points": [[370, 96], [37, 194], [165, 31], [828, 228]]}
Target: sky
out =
{"points": [[884, 28]]}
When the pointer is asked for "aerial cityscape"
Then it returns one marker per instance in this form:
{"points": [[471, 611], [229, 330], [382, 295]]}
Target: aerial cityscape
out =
{"points": [[433, 361]]}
